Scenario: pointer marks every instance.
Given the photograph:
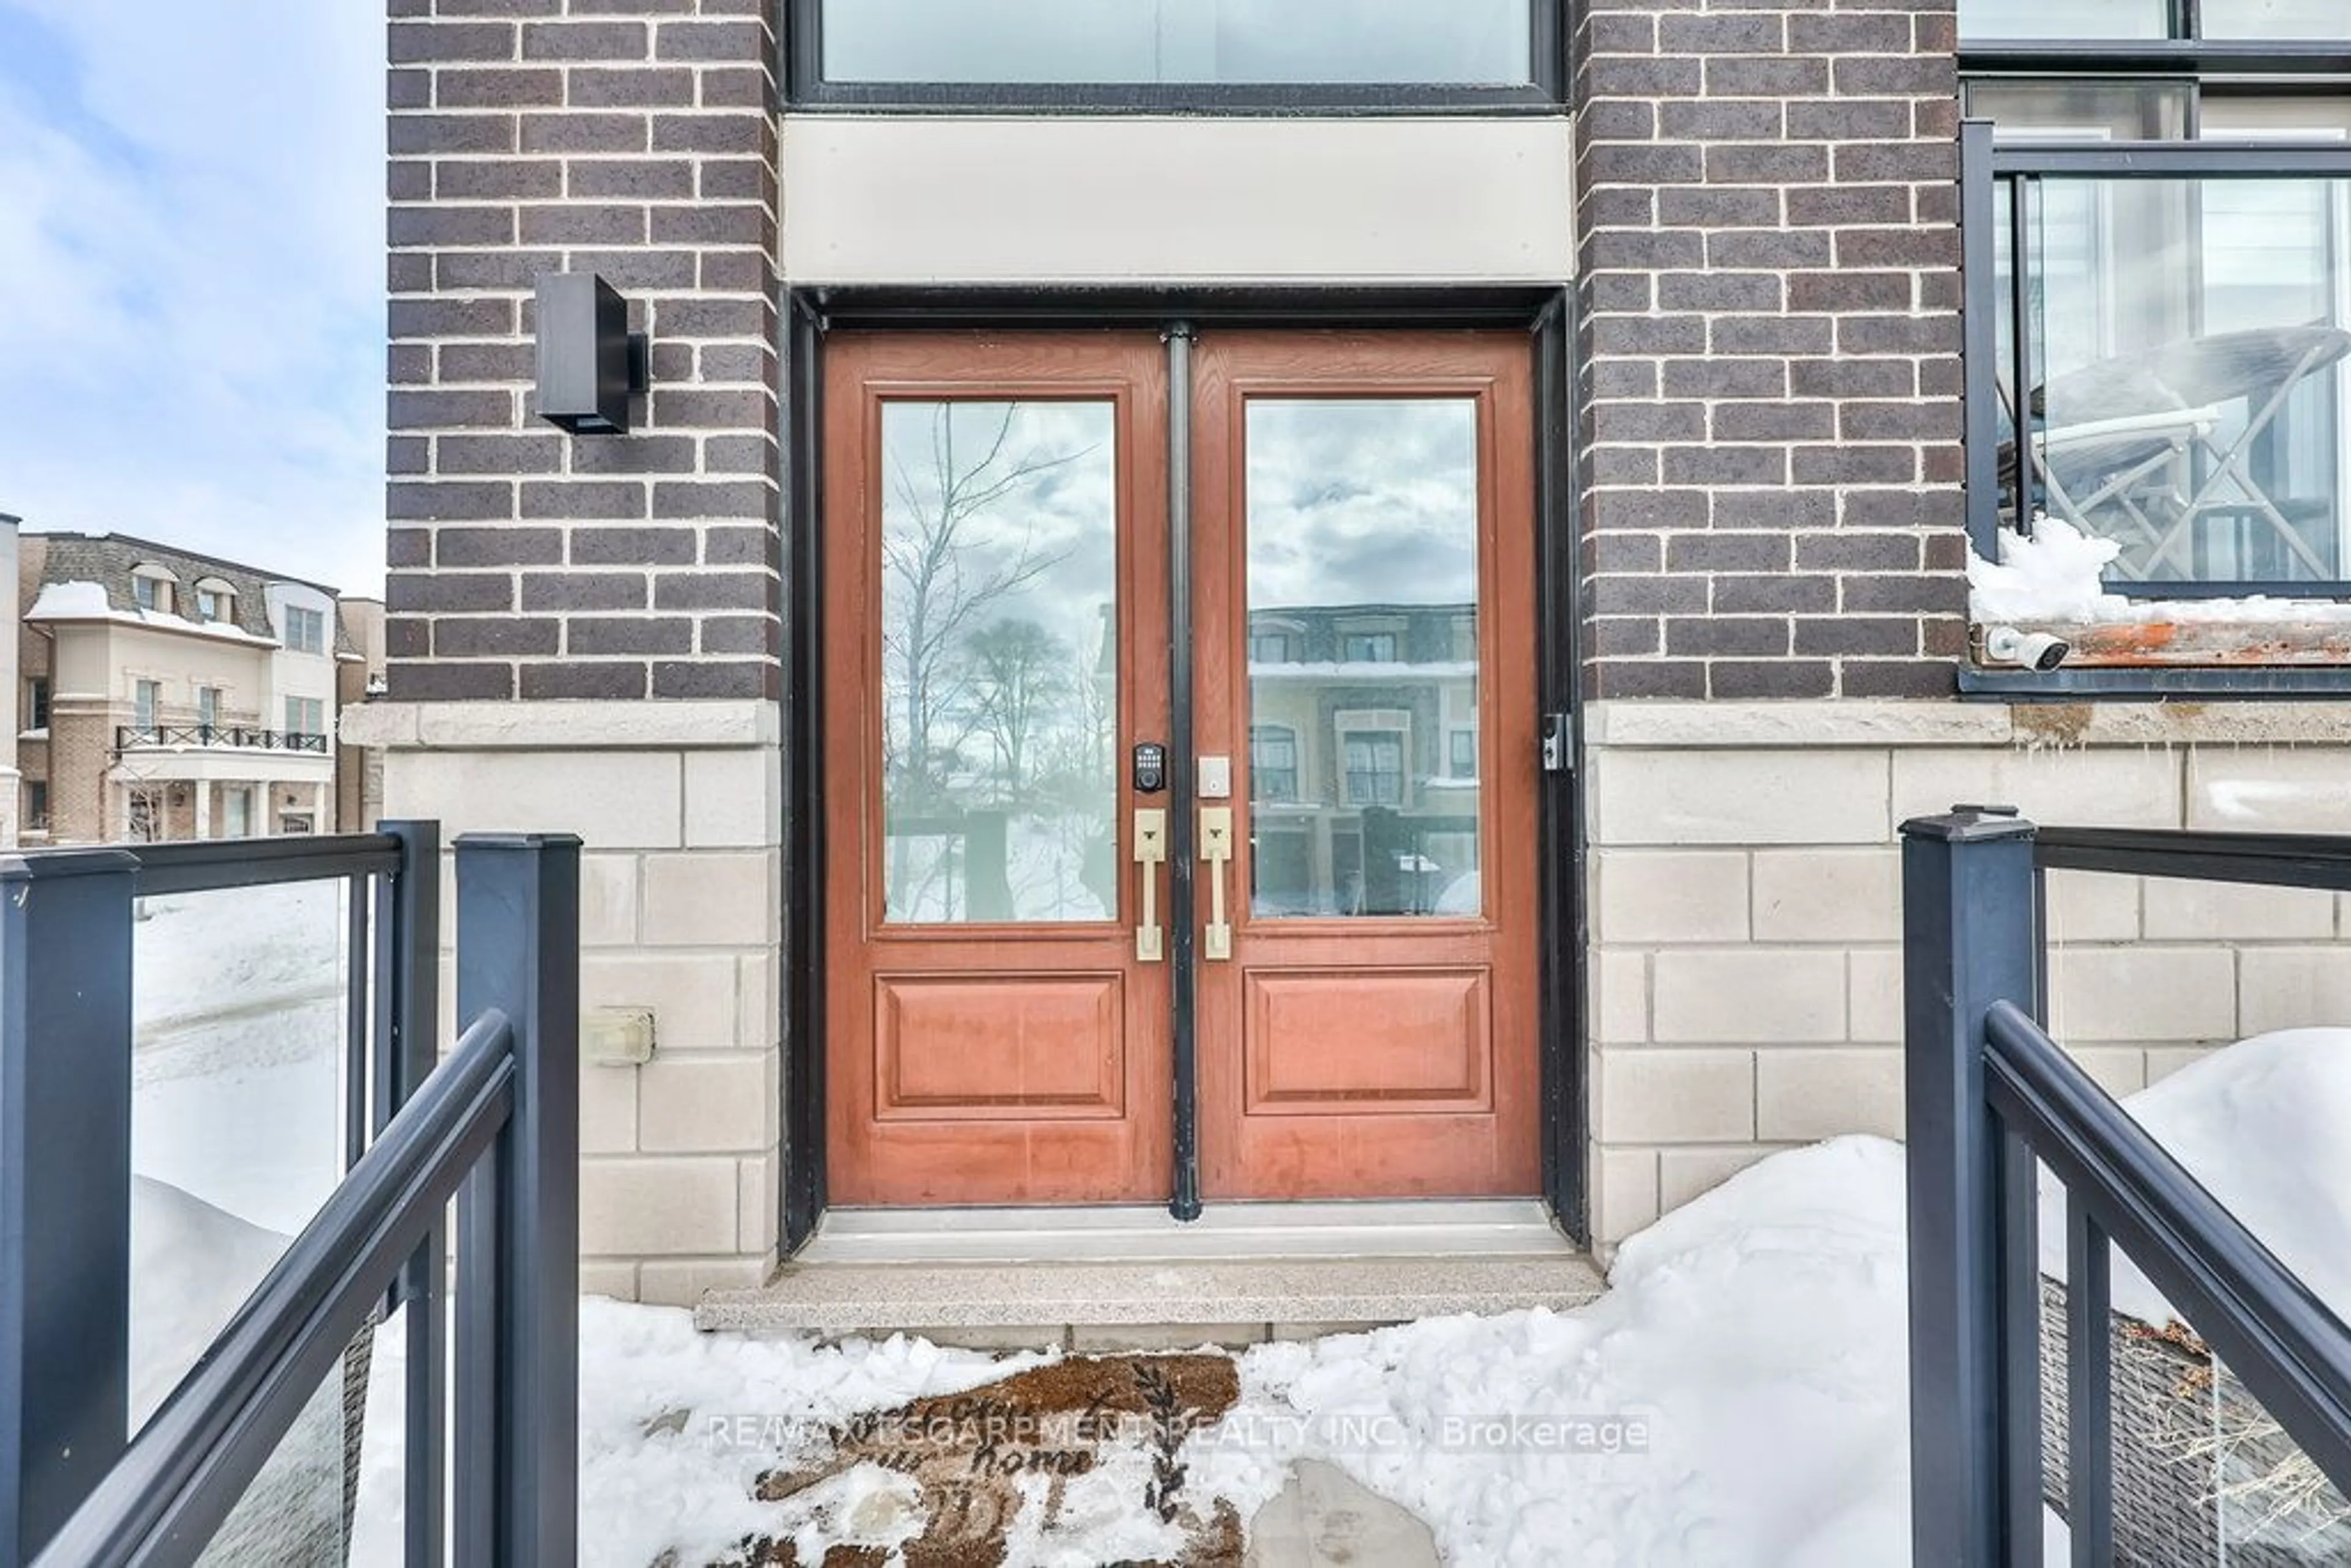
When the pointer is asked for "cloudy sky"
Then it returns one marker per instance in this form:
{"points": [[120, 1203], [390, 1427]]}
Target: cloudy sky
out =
{"points": [[191, 249]]}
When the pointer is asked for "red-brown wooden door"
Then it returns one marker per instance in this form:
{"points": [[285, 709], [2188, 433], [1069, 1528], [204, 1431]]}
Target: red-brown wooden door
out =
{"points": [[1363, 508], [1362, 660], [996, 610]]}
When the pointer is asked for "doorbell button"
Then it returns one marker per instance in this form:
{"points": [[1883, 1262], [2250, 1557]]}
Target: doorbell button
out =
{"points": [[1215, 778]]}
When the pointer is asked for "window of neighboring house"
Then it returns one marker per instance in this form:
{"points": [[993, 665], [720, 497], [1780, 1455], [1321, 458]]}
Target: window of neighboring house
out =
{"points": [[216, 600], [146, 697], [1269, 648], [36, 805], [1373, 762], [36, 703], [1273, 762], [236, 810], [306, 630], [1368, 648], [150, 588], [1175, 53], [208, 706], [2170, 294], [306, 717], [1461, 753]]}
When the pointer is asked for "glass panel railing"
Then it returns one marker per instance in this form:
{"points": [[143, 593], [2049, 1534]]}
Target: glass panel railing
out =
{"points": [[2186, 343], [302, 1510], [239, 1010]]}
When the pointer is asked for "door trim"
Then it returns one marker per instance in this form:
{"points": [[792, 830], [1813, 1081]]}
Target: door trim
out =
{"points": [[1549, 317]]}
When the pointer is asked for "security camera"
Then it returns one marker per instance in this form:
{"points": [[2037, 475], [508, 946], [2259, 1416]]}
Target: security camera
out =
{"points": [[2036, 651]]}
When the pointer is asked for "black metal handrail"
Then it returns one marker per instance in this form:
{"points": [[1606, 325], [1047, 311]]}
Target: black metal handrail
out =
{"points": [[206, 866], [2270, 860], [191, 1464], [495, 1126], [2258, 1315], [1989, 1096], [136, 736]]}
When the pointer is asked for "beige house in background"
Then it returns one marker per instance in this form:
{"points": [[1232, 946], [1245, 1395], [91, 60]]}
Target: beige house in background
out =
{"points": [[162, 695]]}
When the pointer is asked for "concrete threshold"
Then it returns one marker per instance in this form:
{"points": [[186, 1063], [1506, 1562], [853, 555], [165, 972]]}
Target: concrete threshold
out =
{"points": [[1114, 1279]]}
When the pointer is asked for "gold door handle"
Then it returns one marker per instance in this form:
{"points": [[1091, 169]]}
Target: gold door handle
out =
{"points": [[1216, 849], [1150, 853]]}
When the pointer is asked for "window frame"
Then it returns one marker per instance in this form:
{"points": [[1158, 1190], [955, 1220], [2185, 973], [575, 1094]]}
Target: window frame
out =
{"points": [[2263, 69], [38, 698], [1263, 734], [1369, 724], [303, 645], [807, 89]]}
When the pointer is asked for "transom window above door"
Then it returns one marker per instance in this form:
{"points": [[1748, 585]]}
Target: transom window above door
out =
{"points": [[1406, 55]]}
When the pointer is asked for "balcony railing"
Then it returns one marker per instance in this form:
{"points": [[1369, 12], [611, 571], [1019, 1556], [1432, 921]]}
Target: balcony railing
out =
{"points": [[489, 1434], [1989, 1095], [2159, 354], [150, 736]]}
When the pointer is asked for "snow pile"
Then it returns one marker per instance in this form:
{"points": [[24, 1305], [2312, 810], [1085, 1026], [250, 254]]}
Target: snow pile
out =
{"points": [[192, 1266], [1752, 1344], [2056, 573], [2262, 1126], [70, 601]]}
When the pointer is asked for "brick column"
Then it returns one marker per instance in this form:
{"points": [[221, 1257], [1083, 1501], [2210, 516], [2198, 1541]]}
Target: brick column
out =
{"points": [[535, 135], [583, 635], [1771, 420]]}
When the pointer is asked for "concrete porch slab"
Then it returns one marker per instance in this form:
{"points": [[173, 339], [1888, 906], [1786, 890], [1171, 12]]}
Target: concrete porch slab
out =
{"points": [[866, 1297]]}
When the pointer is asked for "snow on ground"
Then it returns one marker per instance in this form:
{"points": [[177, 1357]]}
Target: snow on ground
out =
{"points": [[237, 1102], [1738, 1398], [2265, 1126]]}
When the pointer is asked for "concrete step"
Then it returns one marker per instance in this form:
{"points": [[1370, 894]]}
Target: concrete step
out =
{"points": [[1146, 1304], [1135, 1233]]}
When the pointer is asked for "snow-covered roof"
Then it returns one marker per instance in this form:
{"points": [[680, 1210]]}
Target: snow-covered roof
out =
{"points": [[88, 601]]}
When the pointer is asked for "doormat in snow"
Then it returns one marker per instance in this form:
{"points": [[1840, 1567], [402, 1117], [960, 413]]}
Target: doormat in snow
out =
{"points": [[1085, 1448]]}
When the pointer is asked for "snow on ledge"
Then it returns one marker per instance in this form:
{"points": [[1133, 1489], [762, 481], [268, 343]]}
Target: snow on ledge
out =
{"points": [[2055, 575]]}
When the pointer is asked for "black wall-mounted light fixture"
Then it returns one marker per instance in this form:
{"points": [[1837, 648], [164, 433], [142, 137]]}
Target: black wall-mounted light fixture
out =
{"points": [[590, 363]]}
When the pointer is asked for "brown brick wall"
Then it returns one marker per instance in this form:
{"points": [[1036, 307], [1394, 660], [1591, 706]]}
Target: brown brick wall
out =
{"points": [[636, 138], [80, 736], [1770, 409]]}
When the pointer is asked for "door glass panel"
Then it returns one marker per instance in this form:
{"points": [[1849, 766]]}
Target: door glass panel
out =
{"points": [[999, 661], [1363, 736]]}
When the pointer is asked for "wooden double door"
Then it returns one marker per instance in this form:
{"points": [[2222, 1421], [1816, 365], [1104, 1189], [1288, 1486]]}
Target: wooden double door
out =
{"points": [[1005, 797]]}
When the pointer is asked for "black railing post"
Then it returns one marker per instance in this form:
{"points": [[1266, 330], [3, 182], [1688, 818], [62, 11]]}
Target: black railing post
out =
{"points": [[408, 1028], [65, 1184], [1968, 941], [517, 1341]]}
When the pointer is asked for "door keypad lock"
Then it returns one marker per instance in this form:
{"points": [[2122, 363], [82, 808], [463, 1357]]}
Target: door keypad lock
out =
{"points": [[1150, 767]]}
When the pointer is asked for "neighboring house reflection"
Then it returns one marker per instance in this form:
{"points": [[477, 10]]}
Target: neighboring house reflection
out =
{"points": [[1363, 759]]}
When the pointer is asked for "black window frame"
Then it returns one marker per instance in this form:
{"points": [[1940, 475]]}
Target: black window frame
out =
{"points": [[2186, 49], [807, 89], [1993, 171]]}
